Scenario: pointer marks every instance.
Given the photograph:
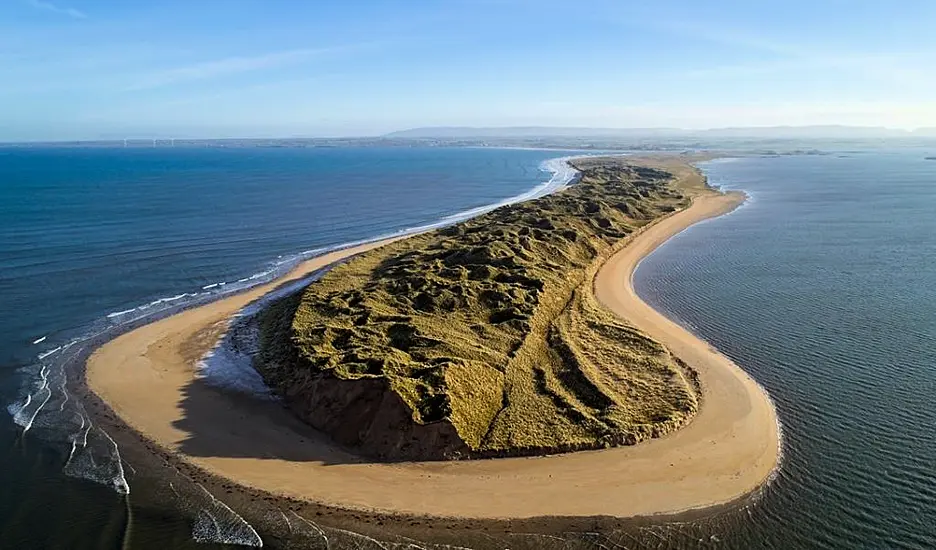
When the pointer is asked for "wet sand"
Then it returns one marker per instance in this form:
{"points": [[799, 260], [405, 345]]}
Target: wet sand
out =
{"points": [[149, 378]]}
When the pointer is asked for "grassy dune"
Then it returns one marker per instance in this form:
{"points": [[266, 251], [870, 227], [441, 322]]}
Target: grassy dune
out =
{"points": [[485, 338]]}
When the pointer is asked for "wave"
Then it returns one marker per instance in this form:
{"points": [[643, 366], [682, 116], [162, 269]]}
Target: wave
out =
{"points": [[44, 408], [218, 523], [45, 354]]}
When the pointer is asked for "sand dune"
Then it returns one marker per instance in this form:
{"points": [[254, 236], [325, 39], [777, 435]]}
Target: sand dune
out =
{"points": [[148, 376]]}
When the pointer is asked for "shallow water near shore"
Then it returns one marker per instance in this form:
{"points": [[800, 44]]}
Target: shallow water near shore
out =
{"points": [[821, 287]]}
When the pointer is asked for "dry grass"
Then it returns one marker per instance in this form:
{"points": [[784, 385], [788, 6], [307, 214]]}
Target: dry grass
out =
{"points": [[491, 325]]}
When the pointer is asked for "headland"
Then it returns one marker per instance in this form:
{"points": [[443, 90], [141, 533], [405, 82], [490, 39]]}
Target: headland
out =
{"points": [[710, 436]]}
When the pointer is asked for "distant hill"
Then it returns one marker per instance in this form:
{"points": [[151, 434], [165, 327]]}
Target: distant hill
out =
{"points": [[459, 132], [765, 132]]}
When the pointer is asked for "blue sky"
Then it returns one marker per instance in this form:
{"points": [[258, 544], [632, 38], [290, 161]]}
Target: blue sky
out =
{"points": [[86, 69]]}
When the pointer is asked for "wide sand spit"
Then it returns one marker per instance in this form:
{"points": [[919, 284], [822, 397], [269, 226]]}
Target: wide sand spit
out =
{"points": [[149, 377]]}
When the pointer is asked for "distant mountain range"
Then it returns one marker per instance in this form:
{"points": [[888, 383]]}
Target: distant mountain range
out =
{"points": [[764, 132]]}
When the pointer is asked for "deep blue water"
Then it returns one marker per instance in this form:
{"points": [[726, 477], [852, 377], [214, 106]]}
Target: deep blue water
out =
{"points": [[90, 238], [823, 286], [86, 232]]}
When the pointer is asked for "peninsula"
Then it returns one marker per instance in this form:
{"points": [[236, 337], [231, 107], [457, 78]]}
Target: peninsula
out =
{"points": [[515, 333], [485, 338]]}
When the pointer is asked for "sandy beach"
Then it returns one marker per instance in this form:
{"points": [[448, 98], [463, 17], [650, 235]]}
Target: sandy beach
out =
{"points": [[149, 378]]}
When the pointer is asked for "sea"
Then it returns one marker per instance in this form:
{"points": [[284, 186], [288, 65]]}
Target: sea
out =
{"points": [[822, 286]]}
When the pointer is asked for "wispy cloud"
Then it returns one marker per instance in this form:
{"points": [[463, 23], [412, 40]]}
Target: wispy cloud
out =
{"points": [[52, 8], [229, 66]]}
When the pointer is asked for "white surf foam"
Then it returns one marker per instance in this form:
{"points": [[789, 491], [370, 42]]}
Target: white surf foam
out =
{"points": [[121, 313], [308, 528], [230, 364], [45, 354], [218, 523], [25, 414], [96, 457]]}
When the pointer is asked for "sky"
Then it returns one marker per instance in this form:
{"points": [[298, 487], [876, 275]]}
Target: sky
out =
{"points": [[106, 69]]}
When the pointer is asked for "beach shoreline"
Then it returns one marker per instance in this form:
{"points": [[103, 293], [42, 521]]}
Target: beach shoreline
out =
{"points": [[148, 378]]}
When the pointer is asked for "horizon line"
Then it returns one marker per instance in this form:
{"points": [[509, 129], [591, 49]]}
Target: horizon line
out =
{"points": [[608, 131]]}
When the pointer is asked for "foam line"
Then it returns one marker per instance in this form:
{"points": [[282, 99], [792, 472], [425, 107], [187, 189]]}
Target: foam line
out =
{"points": [[15, 408], [316, 528], [74, 439], [236, 531], [65, 394], [84, 437], [45, 354], [289, 528], [119, 313], [358, 537], [24, 417], [120, 481]]}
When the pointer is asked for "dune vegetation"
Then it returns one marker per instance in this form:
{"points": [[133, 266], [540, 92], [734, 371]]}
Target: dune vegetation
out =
{"points": [[485, 338]]}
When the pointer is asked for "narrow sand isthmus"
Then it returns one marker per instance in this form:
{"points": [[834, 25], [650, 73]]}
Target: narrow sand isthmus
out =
{"points": [[148, 376]]}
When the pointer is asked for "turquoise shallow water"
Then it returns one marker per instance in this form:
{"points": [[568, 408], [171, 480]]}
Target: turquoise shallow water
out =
{"points": [[823, 287]]}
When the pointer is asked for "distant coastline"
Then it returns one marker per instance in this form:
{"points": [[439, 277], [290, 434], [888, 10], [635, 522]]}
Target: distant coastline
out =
{"points": [[149, 401]]}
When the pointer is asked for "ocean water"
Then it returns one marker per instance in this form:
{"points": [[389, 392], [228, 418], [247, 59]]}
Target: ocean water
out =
{"points": [[94, 240], [823, 287]]}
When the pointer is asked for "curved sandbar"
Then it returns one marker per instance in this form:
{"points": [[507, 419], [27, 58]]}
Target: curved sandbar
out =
{"points": [[148, 376]]}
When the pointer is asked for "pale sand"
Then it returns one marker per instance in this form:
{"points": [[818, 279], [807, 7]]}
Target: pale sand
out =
{"points": [[728, 450]]}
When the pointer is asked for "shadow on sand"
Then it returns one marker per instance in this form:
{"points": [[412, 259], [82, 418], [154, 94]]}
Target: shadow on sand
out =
{"points": [[228, 425]]}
